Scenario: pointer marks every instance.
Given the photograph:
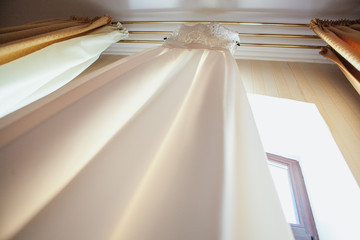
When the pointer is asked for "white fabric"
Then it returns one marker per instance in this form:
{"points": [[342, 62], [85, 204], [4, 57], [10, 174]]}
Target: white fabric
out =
{"points": [[34, 76], [213, 36], [166, 149]]}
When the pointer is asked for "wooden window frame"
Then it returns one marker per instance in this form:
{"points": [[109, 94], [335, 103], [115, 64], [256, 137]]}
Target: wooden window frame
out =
{"points": [[306, 229]]}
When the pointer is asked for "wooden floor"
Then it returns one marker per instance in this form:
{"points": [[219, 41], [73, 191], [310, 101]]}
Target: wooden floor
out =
{"points": [[321, 84]]}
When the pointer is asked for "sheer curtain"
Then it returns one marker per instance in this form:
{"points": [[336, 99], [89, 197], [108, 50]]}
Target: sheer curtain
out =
{"points": [[159, 145], [40, 73]]}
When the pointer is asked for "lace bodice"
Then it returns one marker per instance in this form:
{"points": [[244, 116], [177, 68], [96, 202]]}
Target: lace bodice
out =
{"points": [[209, 36]]}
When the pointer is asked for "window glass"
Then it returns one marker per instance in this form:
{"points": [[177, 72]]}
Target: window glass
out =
{"points": [[289, 183], [280, 175]]}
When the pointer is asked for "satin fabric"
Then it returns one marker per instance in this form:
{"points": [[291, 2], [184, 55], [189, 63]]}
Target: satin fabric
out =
{"points": [[38, 74], [166, 149]]}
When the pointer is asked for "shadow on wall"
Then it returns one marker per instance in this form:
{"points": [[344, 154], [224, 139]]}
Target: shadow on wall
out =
{"points": [[17, 12]]}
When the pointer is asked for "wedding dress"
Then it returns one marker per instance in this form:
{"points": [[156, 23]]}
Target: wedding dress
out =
{"points": [[164, 147]]}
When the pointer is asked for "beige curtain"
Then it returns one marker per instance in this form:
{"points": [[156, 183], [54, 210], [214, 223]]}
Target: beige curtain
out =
{"points": [[343, 37], [18, 41]]}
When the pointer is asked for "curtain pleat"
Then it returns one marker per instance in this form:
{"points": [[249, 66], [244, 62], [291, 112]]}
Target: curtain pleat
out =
{"points": [[343, 36], [38, 74], [16, 42], [351, 73], [166, 148]]}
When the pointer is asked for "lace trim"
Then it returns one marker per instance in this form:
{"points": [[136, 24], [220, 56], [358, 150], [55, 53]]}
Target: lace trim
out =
{"points": [[121, 29], [210, 36]]}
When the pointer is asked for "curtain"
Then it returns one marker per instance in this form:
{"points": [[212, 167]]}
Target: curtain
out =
{"points": [[343, 37], [18, 41], [162, 146], [34, 76]]}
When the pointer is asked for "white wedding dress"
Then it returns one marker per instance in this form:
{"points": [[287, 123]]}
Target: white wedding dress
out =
{"points": [[164, 148]]}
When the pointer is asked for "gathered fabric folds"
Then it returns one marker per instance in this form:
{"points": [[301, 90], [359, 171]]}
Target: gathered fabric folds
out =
{"points": [[343, 37], [19, 41], [38, 74], [164, 147]]}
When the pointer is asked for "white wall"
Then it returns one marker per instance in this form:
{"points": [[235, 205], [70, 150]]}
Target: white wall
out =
{"points": [[296, 130]]}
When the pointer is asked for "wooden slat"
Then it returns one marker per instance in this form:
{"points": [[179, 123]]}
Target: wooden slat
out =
{"points": [[321, 84]]}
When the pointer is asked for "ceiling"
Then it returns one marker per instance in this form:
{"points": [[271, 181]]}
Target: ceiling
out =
{"points": [[14, 12]]}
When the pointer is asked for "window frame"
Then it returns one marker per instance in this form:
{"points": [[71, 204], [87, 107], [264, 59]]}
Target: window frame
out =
{"points": [[306, 229]]}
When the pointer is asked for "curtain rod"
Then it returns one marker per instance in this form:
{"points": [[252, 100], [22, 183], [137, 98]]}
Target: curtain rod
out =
{"points": [[240, 34], [242, 44], [264, 35], [221, 22]]}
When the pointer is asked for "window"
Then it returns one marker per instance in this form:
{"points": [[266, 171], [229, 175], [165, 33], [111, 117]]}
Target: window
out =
{"points": [[291, 189]]}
